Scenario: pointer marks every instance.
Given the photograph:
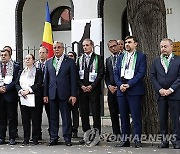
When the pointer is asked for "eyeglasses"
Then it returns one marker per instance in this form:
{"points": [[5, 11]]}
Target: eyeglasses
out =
{"points": [[112, 46], [70, 56], [58, 47]]}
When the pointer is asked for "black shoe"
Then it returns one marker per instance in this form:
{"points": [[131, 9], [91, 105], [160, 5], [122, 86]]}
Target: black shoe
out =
{"points": [[74, 135], [68, 143], [138, 144], [123, 144], [81, 141], [25, 143], [2, 141], [177, 145], [35, 142], [164, 145], [53, 142], [12, 141]]}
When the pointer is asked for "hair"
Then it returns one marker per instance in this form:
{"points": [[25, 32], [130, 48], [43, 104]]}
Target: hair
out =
{"points": [[55, 42], [74, 54], [120, 41], [132, 37], [91, 41], [41, 46], [9, 52], [33, 57], [7, 46], [167, 39], [112, 41]]}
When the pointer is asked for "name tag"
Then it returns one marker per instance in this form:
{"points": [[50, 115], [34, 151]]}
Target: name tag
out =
{"points": [[129, 74], [81, 74], [92, 76], [1, 81]]}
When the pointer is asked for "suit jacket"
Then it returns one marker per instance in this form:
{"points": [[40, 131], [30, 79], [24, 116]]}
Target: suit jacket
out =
{"points": [[171, 79], [136, 83], [37, 86], [96, 85], [109, 72], [65, 83], [11, 93]]}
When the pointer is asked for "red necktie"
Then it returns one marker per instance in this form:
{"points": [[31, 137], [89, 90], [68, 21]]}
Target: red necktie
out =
{"points": [[4, 70]]}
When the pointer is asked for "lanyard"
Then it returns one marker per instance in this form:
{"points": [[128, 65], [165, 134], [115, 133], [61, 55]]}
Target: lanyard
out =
{"points": [[134, 61]]}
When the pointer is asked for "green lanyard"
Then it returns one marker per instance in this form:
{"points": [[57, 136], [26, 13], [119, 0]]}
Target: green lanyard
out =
{"points": [[134, 60], [166, 61], [55, 63]]}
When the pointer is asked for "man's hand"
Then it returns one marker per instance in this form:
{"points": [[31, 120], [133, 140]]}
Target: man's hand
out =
{"points": [[162, 92], [83, 88], [112, 89], [2, 89], [124, 87], [73, 100], [46, 100], [167, 92], [88, 88]]}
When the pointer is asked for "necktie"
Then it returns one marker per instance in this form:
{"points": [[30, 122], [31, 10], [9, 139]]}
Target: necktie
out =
{"points": [[114, 60], [4, 70], [87, 60]]}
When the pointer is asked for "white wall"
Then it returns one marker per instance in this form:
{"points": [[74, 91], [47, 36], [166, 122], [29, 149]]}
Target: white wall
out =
{"points": [[7, 18], [173, 20], [85, 9], [33, 22], [113, 10]]}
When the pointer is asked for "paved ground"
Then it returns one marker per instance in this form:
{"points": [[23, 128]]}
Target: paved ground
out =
{"points": [[103, 148]]}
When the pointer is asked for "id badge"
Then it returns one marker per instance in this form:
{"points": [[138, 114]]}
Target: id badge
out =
{"points": [[8, 79], [81, 74], [129, 74], [1, 81], [92, 76]]}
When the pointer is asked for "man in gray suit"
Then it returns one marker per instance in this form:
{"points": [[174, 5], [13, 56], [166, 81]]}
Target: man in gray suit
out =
{"points": [[165, 76]]}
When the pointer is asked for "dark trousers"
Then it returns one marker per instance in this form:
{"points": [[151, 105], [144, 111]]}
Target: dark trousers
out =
{"points": [[47, 109], [30, 114], [174, 108], [75, 117], [132, 103], [86, 100], [113, 109], [8, 115], [65, 108]]}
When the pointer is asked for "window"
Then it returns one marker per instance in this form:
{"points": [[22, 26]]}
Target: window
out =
{"points": [[61, 19]]}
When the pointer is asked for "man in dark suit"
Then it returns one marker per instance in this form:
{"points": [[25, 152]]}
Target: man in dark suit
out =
{"points": [[129, 73], [60, 90], [112, 88], [8, 97], [165, 76], [43, 54], [91, 68]]}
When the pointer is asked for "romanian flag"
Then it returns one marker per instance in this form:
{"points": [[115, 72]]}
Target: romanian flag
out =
{"points": [[47, 35]]}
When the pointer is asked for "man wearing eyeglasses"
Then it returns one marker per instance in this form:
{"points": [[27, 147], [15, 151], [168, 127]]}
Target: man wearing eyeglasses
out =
{"points": [[111, 86], [60, 91]]}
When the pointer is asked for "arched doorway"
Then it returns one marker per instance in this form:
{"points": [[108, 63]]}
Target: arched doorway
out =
{"points": [[19, 27]]}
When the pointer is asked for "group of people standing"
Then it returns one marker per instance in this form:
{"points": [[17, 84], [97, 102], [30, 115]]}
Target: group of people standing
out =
{"points": [[65, 84]]}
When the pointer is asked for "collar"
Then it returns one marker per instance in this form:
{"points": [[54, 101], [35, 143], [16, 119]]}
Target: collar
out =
{"points": [[60, 58], [88, 55]]}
